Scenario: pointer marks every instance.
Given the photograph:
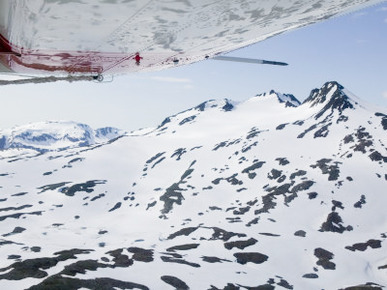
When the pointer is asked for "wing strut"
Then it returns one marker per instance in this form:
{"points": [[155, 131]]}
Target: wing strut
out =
{"points": [[249, 60], [51, 79]]}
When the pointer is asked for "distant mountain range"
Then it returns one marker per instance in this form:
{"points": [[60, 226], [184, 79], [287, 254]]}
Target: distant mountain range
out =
{"points": [[263, 194], [55, 135]]}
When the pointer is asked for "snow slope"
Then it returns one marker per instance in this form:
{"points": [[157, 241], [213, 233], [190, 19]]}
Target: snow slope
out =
{"points": [[251, 195]]}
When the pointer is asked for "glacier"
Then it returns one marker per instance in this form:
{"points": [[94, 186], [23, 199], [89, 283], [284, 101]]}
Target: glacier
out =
{"points": [[262, 194]]}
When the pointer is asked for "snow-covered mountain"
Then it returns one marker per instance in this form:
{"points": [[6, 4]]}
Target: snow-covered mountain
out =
{"points": [[253, 195], [55, 135]]}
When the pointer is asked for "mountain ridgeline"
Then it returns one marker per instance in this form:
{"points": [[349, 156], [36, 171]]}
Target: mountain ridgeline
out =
{"points": [[55, 135], [263, 194]]}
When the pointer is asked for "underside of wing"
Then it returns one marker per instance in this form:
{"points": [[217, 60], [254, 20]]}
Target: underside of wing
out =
{"points": [[90, 37]]}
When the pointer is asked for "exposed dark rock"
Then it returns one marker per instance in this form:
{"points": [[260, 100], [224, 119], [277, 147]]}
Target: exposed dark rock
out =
{"points": [[332, 170], [28, 268], [280, 127], [364, 140], [178, 261], [347, 139], [234, 220], [220, 234], [300, 233], [141, 255], [214, 208], [173, 193], [268, 203], [81, 187], [14, 257], [233, 180], [226, 144], [269, 235], [187, 120], [304, 185], [322, 132], [241, 210], [252, 222], [249, 147], [15, 208], [214, 259], [35, 249], [119, 259], [337, 204], [19, 194], [298, 123], [260, 287], [367, 286], [116, 206], [324, 258], [21, 214], [285, 284], [221, 144], [334, 224], [229, 286], [377, 156], [80, 267], [306, 131], [384, 120], [66, 283], [254, 132], [152, 204], [342, 118], [183, 247], [252, 257], [4, 242], [97, 197], [282, 161], [227, 107], [240, 244], [360, 203], [179, 152], [182, 232], [217, 180], [374, 244], [310, 276], [155, 157], [280, 190], [175, 282], [339, 101], [274, 174], [52, 186], [297, 173], [254, 166], [34, 268]]}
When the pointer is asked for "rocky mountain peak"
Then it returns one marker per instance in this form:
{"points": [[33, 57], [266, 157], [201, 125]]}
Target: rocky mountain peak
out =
{"points": [[189, 115], [288, 99], [333, 96], [225, 105]]}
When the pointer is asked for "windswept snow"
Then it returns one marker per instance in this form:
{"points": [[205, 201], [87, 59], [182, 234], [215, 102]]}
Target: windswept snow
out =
{"points": [[221, 196]]}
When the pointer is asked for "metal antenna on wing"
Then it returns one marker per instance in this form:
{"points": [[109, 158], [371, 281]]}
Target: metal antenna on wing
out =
{"points": [[249, 60]]}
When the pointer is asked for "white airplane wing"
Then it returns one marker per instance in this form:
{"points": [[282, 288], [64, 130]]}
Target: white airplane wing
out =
{"points": [[92, 37]]}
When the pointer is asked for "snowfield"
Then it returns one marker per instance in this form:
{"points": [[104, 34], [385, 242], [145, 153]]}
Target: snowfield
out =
{"points": [[263, 194]]}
